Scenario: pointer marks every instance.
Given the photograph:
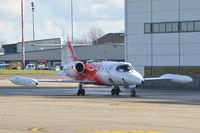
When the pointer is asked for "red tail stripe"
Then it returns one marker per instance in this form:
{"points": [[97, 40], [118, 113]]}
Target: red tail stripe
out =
{"points": [[72, 55]]}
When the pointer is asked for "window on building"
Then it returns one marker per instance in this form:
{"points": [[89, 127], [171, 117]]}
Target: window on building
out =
{"points": [[172, 27], [190, 26], [184, 27], [197, 25], [147, 28], [175, 27], [187, 26], [156, 28], [159, 28], [162, 27], [168, 27]]}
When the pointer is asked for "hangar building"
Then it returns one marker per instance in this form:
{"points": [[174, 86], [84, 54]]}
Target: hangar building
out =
{"points": [[163, 35], [13, 52]]}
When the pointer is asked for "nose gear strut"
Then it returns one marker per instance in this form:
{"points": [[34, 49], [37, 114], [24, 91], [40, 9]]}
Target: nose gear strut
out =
{"points": [[133, 92]]}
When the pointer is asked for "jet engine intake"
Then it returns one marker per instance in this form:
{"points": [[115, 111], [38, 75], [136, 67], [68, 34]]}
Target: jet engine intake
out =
{"points": [[74, 67], [79, 67]]}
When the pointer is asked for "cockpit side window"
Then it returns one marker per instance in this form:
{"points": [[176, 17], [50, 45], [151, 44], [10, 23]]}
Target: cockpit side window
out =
{"points": [[124, 68]]}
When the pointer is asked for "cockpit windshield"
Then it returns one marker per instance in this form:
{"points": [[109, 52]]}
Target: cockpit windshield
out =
{"points": [[124, 68]]}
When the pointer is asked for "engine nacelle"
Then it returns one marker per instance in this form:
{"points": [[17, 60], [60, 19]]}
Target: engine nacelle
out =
{"points": [[77, 67], [24, 81]]}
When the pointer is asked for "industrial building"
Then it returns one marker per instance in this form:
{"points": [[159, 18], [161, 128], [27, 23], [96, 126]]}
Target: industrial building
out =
{"points": [[117, 38], [163, 35], [51, 55]]}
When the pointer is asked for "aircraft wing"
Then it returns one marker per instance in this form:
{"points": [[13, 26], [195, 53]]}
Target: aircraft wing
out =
{"points": [[172, 77], [67, 81], [33, 82]]}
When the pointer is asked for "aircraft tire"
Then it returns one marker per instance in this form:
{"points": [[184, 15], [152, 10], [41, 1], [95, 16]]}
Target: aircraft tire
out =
{"points": [[113, 92], [83, 92], [133, 93], [79, 93], [117, 93]]}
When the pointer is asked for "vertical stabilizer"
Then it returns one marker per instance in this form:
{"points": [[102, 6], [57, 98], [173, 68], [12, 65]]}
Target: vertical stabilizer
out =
{"points": [[68, 54]]}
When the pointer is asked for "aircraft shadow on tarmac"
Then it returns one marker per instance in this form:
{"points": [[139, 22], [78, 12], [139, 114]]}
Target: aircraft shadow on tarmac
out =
{"points": [[53, 91], [144, 95], [184, 102]]}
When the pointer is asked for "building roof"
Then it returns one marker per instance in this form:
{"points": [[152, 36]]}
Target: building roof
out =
{"points": [[32, 41], [111, 38], [83, 52]]}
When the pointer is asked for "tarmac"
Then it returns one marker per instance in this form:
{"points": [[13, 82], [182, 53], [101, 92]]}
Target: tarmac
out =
{"points": [[55, 108]]}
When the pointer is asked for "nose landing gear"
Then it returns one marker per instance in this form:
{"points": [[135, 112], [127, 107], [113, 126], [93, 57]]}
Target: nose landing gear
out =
{"points": [[133, 93], [115, 91]]}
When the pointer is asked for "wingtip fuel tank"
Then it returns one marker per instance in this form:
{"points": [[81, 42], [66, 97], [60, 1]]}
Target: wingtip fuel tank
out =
{"points": [[24, 81]]}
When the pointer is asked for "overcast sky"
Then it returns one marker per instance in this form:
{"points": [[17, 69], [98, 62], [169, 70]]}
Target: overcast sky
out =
{"points": [[52, 18]]}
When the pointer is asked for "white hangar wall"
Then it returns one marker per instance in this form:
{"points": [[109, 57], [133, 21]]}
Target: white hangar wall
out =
{"points": [[162, 33]]}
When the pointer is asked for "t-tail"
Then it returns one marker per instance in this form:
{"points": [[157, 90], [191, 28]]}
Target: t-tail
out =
{"points": [[68, 55], [67, 52], [70, 62]]}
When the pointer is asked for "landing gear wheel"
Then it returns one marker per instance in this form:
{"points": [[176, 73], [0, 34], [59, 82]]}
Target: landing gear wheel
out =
{"points": [[115, 91], [133, 93], [81, 91]]}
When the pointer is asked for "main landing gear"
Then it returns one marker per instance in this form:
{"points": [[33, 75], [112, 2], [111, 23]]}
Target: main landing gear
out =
{"points": [[81, 91], [115, 91]]}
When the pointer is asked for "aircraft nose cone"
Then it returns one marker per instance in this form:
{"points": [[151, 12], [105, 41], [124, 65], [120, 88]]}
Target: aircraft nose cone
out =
{"points": [[134, 79], [140, 81], [139, 78]]}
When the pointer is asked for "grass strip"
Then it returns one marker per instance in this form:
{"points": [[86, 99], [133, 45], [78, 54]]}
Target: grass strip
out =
{"points": [[27, 72]]}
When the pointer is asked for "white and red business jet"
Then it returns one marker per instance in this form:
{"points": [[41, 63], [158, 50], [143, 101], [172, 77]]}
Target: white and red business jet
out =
{"points": [[106, 73]]}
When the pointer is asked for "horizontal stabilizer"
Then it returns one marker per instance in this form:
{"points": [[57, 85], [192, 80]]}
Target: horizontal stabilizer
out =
{"points": [[48, 45], [173, 78], [51, 45]]}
